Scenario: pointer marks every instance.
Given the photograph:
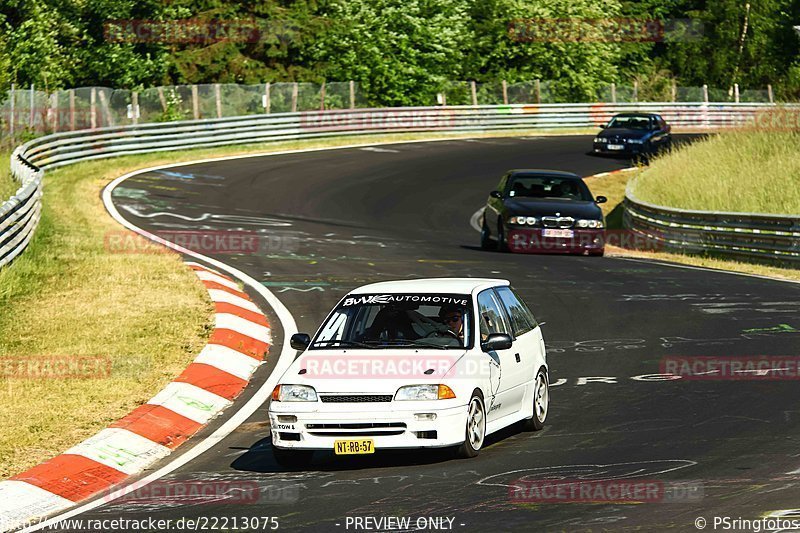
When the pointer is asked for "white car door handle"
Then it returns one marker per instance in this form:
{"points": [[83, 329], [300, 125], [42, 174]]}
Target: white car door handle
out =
{"points": [[516, 356]]}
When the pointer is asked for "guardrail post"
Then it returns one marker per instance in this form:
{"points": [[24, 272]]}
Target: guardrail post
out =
{"points": [[322, 97], [636, 91], [674, 91], [135, 107], [705, 93], [613, 93], [72, 110], [736, 92], [54, 110], [93, 108], [294, 97], [32, 120], [352, 94], [769, 93], [218, 100], [505, 92], [538, 92], [12, 94], [267, 100], [474, 92], [195, 103], [161, 98], [106, 109]]}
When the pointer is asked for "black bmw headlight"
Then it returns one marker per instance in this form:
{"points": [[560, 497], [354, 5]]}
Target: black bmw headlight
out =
{"points": [[591, 224], [522, 220]]}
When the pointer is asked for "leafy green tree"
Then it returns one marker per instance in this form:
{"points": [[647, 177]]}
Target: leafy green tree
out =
{"points": [[558, 40], [402, 52]]}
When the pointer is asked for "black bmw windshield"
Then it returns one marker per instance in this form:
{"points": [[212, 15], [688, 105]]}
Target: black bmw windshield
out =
{"points": [[522, 186], [379, 321]]}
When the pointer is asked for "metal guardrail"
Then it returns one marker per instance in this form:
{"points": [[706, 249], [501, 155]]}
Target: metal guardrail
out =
{"points": [[739, 235], [21, 213], [19, 216]]}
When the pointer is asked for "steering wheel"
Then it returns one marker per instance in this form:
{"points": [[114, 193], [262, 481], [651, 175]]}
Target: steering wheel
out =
{"points": [[438, 333]]}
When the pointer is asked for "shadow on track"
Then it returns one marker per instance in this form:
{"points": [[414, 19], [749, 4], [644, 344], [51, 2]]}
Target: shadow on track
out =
{"points": [[259, 459]]}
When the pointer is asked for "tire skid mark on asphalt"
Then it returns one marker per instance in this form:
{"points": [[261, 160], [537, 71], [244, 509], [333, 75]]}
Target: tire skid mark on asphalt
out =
{"points": [[219, 373]]}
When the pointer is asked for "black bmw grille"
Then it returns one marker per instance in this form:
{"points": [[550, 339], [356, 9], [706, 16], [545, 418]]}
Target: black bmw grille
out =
{"points": [[356, 398], [557, 222]]}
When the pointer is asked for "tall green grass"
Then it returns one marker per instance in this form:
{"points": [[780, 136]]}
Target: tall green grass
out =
{"points": [[741, 171], [8, 185]]}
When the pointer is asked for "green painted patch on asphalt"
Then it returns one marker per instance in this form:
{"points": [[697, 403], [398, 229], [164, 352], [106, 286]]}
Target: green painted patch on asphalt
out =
{"points": [[780, 328]]}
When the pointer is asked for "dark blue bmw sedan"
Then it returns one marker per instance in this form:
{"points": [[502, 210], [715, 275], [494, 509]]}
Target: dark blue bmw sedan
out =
{"points": [[633, 134]]}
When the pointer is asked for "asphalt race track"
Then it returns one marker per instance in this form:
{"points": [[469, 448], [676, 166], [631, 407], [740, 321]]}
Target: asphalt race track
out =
{"points": [[333, 220]]}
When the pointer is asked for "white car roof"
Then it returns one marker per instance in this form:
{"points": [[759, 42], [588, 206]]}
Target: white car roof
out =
{"points": [[430, 285]]}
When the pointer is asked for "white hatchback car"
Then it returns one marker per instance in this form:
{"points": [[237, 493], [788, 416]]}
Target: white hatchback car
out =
{"points": [[412, 364]]}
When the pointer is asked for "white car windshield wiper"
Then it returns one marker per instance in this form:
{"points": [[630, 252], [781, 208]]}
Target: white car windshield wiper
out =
{"points": [[343, 343], [400, 343]]}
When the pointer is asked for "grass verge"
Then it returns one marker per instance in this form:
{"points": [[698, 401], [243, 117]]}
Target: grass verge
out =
{"points": [[8, 185], [68, 297], [613, 186], [740, 171]]}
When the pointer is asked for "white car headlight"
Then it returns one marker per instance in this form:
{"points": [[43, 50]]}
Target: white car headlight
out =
{"points": [[636, 141], [592, 224], [424, 392], [294, 393], [522, 221], [600, 140]]}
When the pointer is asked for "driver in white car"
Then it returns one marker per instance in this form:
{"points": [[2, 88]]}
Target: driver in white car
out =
{"points": [[453, 318]]}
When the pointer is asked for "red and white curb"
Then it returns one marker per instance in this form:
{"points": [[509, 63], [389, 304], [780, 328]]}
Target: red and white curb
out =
{"points": [[237, 346]]}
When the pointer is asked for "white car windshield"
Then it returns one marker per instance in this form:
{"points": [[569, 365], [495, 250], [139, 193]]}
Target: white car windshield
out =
{"points": [[375, 321]]}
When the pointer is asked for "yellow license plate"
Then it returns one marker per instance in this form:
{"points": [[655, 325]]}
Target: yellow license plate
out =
{"points": [[353, 446]]}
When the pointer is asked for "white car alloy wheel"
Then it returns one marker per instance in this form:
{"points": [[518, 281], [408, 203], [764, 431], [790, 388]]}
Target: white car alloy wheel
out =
{"points": [[475, 429], [541, 402], [541, 394], [476, 424]]}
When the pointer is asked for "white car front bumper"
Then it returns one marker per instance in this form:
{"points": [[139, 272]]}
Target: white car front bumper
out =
{"points": [[318, 426]]}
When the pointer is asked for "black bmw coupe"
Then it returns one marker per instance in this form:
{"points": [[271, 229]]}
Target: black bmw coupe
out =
{"points": [[543, 211]]}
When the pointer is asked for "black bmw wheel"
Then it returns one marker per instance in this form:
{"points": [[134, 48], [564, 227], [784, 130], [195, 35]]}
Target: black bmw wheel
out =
{"points": [[502, 245], [486, 238]]}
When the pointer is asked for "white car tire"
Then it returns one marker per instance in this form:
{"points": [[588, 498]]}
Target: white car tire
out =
{"points": [[475, 430], [541, 402]]}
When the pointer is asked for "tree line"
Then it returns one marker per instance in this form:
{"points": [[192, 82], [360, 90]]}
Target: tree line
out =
{"points": [[402, 52]]}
